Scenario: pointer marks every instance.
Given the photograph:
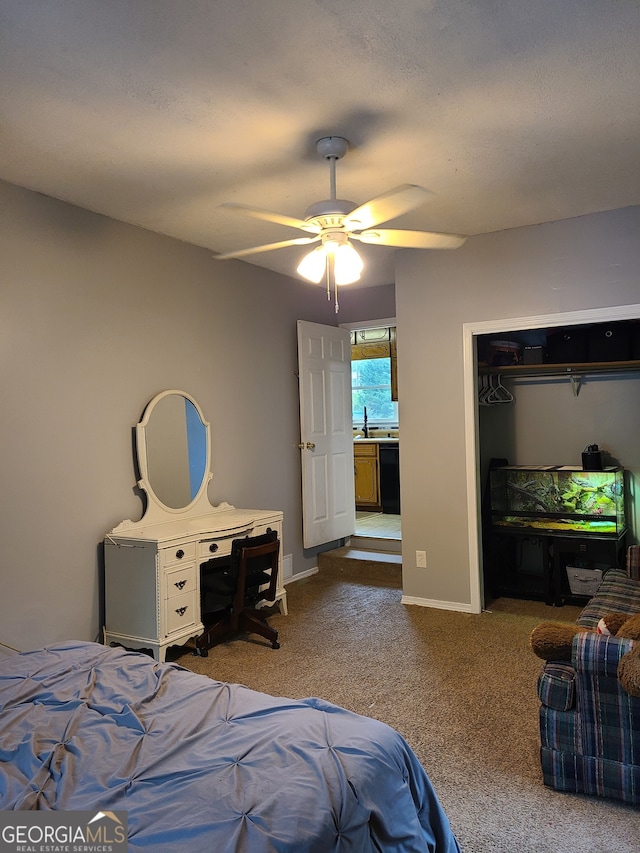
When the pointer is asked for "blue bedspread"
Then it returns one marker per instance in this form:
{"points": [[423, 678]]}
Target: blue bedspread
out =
{"points": [[201, 765]]}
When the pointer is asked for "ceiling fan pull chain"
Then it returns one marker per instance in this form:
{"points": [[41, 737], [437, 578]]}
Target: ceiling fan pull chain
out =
{"points": [[327, 261], [331, 279]]}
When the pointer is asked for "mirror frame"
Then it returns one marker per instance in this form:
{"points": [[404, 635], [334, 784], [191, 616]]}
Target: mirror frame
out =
{"points": [[156, 510]]}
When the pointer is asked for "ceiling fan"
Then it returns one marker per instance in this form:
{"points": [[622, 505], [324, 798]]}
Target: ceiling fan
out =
{"points": [[335, 223]]}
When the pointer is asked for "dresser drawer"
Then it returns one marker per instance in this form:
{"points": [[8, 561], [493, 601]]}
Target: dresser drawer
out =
{"points": [[181, 579], [259, 529], [181, 611], [177, 554], [220, 546]]}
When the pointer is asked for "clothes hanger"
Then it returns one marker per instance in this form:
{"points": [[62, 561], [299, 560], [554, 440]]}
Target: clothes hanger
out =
{"points": [[502, 394]]}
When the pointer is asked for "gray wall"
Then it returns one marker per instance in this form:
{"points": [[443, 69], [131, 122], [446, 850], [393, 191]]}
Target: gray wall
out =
{"points": [[96, 317], [576, 264]]}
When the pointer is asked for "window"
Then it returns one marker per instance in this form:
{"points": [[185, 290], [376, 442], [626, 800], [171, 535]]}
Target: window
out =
{"points": [[371, 387]]}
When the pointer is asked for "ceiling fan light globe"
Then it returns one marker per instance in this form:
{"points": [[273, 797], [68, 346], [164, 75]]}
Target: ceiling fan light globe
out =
{"points": [[313, 266], [348, 264]]}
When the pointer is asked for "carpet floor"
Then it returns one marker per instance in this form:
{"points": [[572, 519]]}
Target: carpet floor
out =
{"points": [[461, 688]]}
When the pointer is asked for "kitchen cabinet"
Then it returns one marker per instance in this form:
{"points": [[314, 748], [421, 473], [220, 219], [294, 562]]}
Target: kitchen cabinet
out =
{"points": [[366, 466]]}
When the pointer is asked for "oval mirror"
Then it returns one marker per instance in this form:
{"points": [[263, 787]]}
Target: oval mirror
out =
{"points": [[173, 450]]}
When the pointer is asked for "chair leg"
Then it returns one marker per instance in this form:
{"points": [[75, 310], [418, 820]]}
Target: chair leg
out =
{"points": [[252, 622], [215, 633]]}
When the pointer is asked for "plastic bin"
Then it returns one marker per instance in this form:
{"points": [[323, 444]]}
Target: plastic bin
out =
{"points": [[583, 581]]}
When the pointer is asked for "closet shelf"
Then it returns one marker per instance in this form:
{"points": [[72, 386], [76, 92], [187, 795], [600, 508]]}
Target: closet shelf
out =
{"points": [[555, 370], [574, 372]]}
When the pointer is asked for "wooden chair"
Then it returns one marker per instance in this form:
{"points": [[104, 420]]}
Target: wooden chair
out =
{"points": [[234, 590]]}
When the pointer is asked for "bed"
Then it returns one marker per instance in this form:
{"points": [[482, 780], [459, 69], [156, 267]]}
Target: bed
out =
{"points": [[202, 765]]}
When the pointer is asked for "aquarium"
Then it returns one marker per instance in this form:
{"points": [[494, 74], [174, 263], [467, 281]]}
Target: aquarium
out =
{"points": [[558, 500]]}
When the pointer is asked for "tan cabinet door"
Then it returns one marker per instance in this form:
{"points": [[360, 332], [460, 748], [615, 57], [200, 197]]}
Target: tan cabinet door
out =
{"points": [[367, 475]]}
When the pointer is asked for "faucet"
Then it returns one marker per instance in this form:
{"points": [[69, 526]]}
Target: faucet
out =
{"points": [[365, 428]]}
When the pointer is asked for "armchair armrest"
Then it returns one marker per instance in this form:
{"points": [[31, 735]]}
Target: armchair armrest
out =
{"points": [[596, 655]]}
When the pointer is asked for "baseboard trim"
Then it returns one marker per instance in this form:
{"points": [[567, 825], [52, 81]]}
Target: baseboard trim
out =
{"points": [[438, 605], [300, 575]]}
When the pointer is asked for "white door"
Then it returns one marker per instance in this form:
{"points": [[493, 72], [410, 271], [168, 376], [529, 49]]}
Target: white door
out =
{"points": [[326, 433]]}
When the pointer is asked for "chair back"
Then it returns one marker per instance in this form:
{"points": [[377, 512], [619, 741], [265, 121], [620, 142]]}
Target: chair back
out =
{"points": [[254, 562]]}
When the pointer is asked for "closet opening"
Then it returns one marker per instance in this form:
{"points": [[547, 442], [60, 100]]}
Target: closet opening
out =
{"points": [[533, 432]]}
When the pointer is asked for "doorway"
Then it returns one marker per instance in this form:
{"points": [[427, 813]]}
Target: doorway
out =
{"points": [[470, 333], [375, 422]]}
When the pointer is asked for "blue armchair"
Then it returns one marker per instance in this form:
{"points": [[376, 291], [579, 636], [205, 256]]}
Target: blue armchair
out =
{"points": [[589, 725]]}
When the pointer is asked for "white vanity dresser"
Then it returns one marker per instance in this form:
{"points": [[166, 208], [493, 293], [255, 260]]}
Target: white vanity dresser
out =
{"points": [[152, 566]]}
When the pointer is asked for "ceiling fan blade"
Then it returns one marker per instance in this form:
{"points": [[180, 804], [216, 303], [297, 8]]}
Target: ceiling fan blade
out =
{"points": [[410, 239], [387, 206], [297, 241], [270, 216]]}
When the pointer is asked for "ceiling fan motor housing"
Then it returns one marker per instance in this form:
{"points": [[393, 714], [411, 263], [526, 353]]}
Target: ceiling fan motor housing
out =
{"points": [[329, 213]]}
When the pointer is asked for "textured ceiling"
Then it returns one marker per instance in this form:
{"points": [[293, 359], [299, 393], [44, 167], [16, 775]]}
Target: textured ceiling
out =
{"points": [[155, 112]]}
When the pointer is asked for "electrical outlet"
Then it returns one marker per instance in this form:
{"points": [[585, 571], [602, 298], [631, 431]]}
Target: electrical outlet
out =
{"points": [[421, 559]]}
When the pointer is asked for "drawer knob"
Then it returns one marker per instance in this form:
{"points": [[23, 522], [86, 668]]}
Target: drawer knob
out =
{"points": [[180, 584], [213, 547], [179, 553], [181, 611]]}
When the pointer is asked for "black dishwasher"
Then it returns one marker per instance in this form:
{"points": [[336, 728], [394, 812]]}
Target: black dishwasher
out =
{"points": [[390, 478]]}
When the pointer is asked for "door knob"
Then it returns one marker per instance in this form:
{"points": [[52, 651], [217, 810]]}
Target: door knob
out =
{"points": [[309, 445]]}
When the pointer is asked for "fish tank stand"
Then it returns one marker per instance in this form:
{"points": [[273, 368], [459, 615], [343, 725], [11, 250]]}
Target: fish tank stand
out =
{"points": [[519, 566], [533, 566]]}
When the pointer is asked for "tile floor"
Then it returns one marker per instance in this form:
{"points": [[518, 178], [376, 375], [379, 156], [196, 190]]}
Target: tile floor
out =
{"points": [[378, 525]]}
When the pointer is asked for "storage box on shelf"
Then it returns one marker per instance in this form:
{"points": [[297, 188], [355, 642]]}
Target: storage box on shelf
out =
{"points": [[574, 352]]}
